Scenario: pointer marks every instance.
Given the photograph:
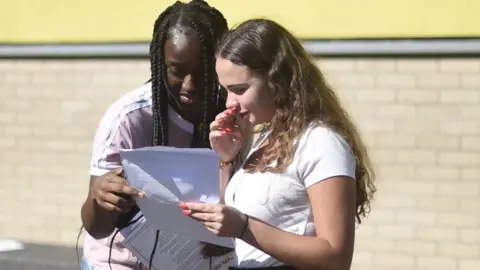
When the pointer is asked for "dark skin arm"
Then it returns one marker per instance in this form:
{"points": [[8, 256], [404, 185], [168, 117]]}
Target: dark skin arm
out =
{"points": [[108, 196]]}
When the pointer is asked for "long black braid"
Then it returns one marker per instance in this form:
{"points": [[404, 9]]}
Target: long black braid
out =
{"points": [[209, 25]]}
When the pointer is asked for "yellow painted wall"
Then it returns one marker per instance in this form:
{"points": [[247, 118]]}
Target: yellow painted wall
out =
{"points": [[27, 21]]}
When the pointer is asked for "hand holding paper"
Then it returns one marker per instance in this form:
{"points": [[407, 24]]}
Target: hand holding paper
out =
{"points": [[219, 219], [168, 176], [112, 192]]}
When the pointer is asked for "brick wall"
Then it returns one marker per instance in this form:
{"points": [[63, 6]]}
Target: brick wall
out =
{"points": [[420, 118]]}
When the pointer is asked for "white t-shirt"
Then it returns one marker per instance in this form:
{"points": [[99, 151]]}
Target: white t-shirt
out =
{"points": [[281, 200]]}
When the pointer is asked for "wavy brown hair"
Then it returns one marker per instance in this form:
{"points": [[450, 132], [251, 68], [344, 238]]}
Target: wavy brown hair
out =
{"points": [[302, 97]]}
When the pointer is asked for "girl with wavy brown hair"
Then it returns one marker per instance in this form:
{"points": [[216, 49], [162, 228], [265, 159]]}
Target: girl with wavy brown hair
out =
{"points": [[294, 201]]}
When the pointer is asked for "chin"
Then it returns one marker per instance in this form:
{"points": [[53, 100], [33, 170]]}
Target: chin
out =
{"points": [[188, 106], [253, 121]]}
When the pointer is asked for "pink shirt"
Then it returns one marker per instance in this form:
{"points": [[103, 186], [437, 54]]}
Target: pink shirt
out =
{"points": [[127, 124]]}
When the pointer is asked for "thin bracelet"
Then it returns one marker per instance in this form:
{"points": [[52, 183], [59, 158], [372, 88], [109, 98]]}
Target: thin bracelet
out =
{"points": [[245, 226], [223, 164]]}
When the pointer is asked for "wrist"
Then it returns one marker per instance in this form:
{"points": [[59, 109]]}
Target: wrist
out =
{"points": [[226, 164], [91, 198], [245, 226], [97, 209], [93, 203]]}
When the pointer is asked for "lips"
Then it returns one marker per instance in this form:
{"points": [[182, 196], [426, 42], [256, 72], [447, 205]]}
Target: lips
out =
{"points": [[187, 98]]}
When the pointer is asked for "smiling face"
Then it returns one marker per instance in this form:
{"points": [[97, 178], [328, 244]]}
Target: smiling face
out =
{"points": [[247, 90], [184, 71]]}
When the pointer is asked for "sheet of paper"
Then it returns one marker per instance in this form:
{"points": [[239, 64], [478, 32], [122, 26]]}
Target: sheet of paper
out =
{"points": [[139, 219], [172, 252], [169, 175]]}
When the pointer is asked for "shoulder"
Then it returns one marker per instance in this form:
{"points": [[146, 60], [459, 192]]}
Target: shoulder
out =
{"points": [[114, 132], [320, 136], [120, 114], [131, 101], [323, 153], [121, 110]]}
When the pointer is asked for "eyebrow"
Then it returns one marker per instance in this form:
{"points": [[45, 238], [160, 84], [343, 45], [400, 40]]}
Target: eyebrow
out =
{"points": [[238, 85]]}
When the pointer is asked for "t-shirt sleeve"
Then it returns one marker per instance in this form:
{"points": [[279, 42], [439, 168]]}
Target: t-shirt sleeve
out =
{"points": [[112, 135], [324, 154]]}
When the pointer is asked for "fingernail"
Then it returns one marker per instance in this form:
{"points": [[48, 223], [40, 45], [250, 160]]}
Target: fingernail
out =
{"points": [[223, 132], [183, 205], [219, 121], [187, 212], [140, 194], [228, 130], [118, 171]]}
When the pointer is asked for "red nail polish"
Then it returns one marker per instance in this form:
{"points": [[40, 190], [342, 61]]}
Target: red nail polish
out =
{"points": [[219, 121], [228, 130], [187, 212], [223, 132], [183, 205]]}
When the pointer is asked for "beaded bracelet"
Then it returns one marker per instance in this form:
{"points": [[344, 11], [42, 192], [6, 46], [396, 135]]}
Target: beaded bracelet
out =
{"points": [[223, 164]]}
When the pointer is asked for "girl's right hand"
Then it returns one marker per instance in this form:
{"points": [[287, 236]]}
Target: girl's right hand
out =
{"points": [[228, 133], [113, 193]]}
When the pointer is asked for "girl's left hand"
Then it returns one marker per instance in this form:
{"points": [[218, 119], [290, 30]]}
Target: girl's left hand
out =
{"points": [[220, 219]]}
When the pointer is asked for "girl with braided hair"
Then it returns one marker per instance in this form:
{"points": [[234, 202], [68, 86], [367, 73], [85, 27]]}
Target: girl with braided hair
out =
{"points": [[174, 108]]}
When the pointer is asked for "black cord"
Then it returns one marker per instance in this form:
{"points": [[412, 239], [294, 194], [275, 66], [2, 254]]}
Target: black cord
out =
{"points": [[76, 244], [111, 247], [113, 238], [153, 250]]}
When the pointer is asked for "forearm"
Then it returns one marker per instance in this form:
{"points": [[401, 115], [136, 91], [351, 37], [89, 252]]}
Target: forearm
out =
{"points": [[302, 252], [96, 221], [226, 173]]}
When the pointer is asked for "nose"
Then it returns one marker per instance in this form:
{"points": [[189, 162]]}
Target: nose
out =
{"points": [[188, 83], [232, 101]]}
